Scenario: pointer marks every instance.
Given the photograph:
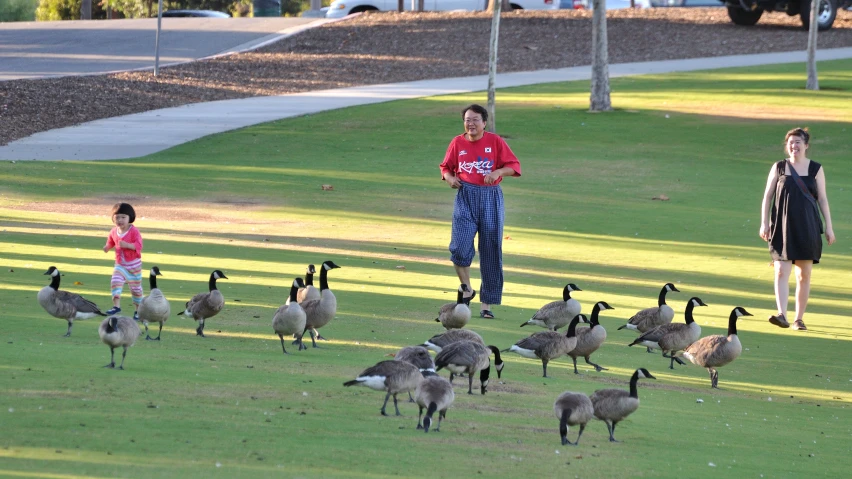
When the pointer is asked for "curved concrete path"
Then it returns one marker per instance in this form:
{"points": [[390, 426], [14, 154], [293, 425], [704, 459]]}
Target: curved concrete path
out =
{"points": [[145, 133]]}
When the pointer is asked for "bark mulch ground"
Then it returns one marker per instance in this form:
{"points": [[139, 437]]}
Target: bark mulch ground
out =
{"points": [[394, 47]]}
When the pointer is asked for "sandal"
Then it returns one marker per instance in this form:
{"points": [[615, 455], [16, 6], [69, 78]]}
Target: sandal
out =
{"points": [[799, 325], [780, 321], [487, 314], [469, 299]]}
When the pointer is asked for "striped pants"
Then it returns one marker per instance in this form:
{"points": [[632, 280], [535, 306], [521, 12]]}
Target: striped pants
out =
{"points": [[479, 209], [130, 273]]}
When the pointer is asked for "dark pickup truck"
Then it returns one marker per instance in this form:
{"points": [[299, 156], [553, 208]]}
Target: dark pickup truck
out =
{"points": [[748, 12]]}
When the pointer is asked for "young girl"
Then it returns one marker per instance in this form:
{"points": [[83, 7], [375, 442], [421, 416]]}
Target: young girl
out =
{"points": [[127, 241]]}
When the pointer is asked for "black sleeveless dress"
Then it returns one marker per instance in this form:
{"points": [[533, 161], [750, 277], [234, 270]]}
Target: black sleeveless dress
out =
{"points": [[795, 225]]}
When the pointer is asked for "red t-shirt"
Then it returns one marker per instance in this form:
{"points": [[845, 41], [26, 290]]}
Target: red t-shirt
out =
{"points": [[470, 161], [124, 255]]}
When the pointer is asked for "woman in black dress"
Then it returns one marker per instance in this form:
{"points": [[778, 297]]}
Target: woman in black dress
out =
{"points": [[795, 191]]}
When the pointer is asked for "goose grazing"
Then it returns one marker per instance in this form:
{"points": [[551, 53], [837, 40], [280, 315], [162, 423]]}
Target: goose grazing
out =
{"points": [[590, 339], [715, 351], [572, 409], [65, 305], [392, 376], [154, 308], [206, 305], [418, 356], [557, 314], [455, 315], [118, 331], [673, 337], [290, 318], [613, 405], [434, 393], [440, 341], [548, 345], [649, 318], [468, 357], [320, 311]]}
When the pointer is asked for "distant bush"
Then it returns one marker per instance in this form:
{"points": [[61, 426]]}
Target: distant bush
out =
{"points": [[17, 10], [52, 10]]}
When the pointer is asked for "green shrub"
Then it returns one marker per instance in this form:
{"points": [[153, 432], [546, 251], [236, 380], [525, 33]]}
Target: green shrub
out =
{"points": [[17, 10]]}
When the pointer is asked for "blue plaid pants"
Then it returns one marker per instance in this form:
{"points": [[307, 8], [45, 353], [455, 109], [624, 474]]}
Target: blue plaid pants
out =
{"points": [[479, 209]]}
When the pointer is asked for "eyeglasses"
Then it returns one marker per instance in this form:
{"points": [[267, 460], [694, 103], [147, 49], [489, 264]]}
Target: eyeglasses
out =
{"points": [[472, 120]]}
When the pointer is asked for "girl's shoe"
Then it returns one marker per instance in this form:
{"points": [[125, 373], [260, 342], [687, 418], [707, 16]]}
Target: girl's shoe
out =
{"points": [[113, 311], [780, 321], [799, 325]]}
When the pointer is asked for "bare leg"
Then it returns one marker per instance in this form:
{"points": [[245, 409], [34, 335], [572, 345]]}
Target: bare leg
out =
{"points": [[782, 285], [463, 272], [803, 286]]}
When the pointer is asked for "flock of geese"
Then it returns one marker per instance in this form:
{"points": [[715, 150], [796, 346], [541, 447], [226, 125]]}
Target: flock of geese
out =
{"points": [[462, 352]]}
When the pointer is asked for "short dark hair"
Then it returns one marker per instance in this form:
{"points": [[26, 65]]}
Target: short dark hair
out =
{"points": [[476, 109], [124, 209], [800, 132]]}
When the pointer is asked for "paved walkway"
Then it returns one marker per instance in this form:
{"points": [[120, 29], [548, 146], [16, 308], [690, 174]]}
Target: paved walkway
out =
{"points": [[142, 134]]}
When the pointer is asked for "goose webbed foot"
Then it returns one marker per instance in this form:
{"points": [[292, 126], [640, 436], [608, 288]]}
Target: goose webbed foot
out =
{"points": [[650, 350], [149, 338], [110, 366]]}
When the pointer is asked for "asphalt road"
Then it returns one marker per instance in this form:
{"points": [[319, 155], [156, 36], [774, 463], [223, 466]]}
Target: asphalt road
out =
{"points": [[49, 49]]}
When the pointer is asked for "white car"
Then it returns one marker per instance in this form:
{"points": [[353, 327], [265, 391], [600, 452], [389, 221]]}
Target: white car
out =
{"points": [[341, 8]]}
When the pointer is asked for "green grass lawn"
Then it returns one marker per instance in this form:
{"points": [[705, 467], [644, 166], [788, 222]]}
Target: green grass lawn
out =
{"points": [[250, 203]]}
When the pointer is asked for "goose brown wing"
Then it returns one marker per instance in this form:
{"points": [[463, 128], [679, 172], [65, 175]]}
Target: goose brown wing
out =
{"points": [[82, 304], [704, 348], [535, 341], [549, 310]]}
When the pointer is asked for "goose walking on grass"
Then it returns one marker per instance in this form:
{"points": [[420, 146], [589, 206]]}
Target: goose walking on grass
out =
{"points": [[673, 337], [557, 314], [614, 405], [440, 341], [469, 357], [290, 318], [572, 409], [392, 376], [649, 318], [590, 339], [205, 305], [715, 351], [320, 311], [64, 305], [154, 308], [118, 331], [455, 315], [434, 393], [548, 345], [307, 292]]}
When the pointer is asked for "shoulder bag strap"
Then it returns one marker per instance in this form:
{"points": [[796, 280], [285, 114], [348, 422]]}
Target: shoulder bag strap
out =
{"points": [[800, 183]]}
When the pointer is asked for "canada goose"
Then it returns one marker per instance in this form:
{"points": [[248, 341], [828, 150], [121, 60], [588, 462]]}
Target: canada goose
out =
{"points": [[613, 405], [206, 305], [673, 337], [307, 293], [321, 311], [155, 307], [290, 318], [455, 315], [118, 331], [469, 357], [392, 376], [440, 341], [590, 339], [572, 409], [715, 351], [65, 305], [557, 314], [418, 356], [434, 393], [548, 345], [649, 318]]}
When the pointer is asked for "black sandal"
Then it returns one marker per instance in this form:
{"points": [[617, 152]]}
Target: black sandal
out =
{"points": [[487, 314], [468, 300]]}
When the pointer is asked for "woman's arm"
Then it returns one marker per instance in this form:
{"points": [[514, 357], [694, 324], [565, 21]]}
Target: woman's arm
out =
{"points": [[823, 206], [768, 194]]}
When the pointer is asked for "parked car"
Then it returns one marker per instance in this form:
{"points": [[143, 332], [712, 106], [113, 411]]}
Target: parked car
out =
{"points": [[610, 4], [687, 3], [341, 8], [195, 13], [748, 12]]}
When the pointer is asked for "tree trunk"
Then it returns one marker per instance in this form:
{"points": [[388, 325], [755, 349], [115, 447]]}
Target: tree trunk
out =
{"points": [[599, 100], [86, 10], [316, 5], [813, 80], [492, 64], [400, 5]]}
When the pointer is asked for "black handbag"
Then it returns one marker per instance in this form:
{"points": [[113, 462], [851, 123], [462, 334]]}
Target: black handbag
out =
{"points": [[798, 179]]}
